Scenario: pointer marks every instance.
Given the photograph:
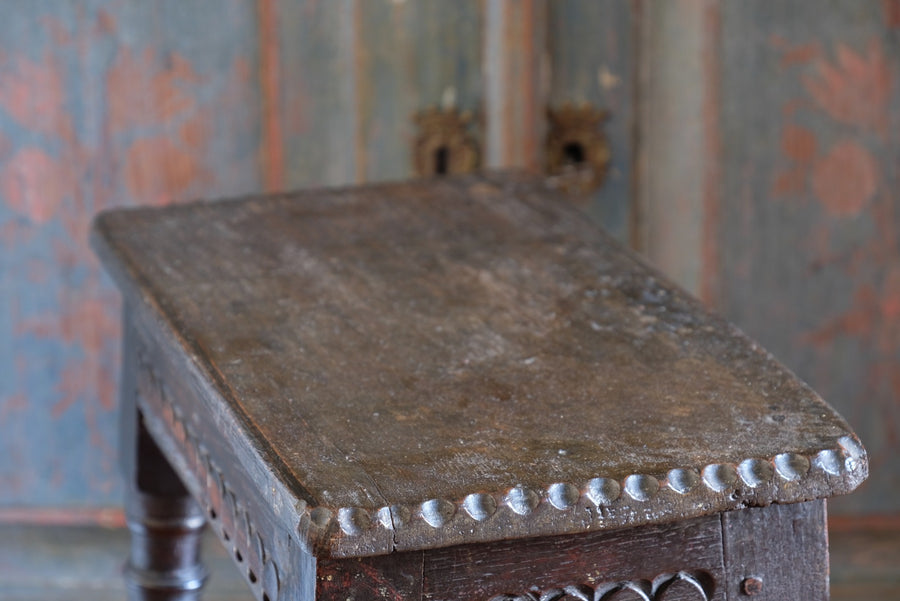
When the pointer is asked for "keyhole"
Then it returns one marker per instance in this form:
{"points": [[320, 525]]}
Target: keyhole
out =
{"points": [[573, 154], [442, 160]]}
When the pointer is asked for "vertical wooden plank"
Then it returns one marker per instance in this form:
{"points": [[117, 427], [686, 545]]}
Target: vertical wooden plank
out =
{"points": [[414, 56], [777, 552], [515, 86], [101, 104], [318, 75], [394, 576], [592, 60], [768, 171], [271, 135], [678, 128]]}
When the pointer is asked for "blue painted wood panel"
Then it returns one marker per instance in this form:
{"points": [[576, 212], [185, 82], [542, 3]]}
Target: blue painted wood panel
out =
{"points": [[102, 104], [106, 103], [807, 249]]}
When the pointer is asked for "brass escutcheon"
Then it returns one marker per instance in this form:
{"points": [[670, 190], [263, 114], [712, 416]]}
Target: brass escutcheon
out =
{"points": [[445, 143], [577, 149]]}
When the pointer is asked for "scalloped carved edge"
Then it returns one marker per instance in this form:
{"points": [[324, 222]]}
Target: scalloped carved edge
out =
{"points": [[647, 590], [717, 479], [707, 484], [219, 501]]}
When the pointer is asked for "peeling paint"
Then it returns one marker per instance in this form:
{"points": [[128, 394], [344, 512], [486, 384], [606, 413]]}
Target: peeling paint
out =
{"points": [[35, 185], [32, 93], [141, 92], [798, 143], [99, 107], [158, 171]]}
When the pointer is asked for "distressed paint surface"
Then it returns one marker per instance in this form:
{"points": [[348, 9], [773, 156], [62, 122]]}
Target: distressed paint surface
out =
{"points": [[675, 159], [418, 54], [515, 48], [591, 51], [809, 261], [317, 108], [101, 104], [106, 103]]}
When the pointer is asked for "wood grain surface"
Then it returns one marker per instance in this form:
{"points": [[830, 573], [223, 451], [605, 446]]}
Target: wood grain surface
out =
{"points": [[471, 355]]}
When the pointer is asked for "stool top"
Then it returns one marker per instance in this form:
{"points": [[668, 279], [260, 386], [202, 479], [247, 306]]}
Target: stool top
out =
{"points": [[469, 359]]}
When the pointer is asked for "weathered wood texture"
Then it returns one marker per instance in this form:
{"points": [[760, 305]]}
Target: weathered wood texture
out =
{"points": [[777, 552], [524, 374], [799, 233]]}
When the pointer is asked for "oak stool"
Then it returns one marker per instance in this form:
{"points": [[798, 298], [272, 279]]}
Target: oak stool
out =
{"points": [[453, 389]]}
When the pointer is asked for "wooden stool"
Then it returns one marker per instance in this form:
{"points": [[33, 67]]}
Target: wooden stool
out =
{"points": [[453, 389]]}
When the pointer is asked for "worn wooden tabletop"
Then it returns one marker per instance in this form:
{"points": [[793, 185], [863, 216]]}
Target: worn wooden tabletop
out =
{"points": [[470, 359]]}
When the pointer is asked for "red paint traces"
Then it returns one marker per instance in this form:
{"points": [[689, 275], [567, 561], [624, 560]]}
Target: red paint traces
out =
{"points": [[272, 142], [891, 13], [35, 185], [798, 143], [106, 23], [790, 182], [141, 92], [845, 179], [874, 316], [194, 134], [158, 171], [33, 94], [855, 90], [57, 30], [69, 516], [858, 321], [88, 322], [792, 55]]}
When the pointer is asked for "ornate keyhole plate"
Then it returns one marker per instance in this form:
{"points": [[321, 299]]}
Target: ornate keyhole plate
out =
{"points": [[577, 149], [445, 143]]}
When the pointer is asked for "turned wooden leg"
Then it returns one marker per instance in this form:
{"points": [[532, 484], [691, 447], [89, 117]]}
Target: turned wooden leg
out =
{"points": [[166, 525], [165, 522]]}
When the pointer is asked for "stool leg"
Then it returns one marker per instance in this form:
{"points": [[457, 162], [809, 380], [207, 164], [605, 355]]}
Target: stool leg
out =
{"points": [[165, 522], [166, 526]]}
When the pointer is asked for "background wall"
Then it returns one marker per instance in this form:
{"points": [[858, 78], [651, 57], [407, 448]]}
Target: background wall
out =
{"points": [[770, 187], [754, 146]]}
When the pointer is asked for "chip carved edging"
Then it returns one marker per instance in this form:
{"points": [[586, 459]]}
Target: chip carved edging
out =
{"points": [[709, 484], [700, 582], [225, 512]]}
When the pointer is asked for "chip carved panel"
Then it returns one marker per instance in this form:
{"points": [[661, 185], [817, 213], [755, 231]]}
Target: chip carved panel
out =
{"points": [[227, 514], [681, 586]]}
